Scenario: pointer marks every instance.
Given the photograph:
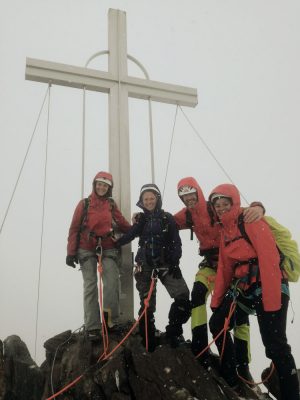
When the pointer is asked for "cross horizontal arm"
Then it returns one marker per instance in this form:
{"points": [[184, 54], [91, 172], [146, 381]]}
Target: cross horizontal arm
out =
{"points": [[68, 75], [90, 79], [162, 92]]}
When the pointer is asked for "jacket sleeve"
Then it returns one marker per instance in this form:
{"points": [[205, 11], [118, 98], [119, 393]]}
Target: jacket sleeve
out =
{"points": [[180, 219], [134, 231], [74, 229], [268, 260], [175, 245], [121, 221], [223, 279]]}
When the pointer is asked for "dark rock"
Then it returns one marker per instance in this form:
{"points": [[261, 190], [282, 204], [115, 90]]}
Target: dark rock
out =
{"points": [[127, 373], [23, 378]]}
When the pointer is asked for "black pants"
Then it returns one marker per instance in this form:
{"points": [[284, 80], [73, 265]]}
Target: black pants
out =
{"points": [[272, 326], [177, 288]]}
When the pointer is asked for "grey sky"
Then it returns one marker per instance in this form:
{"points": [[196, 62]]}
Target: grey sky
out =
{"points": [[243, 57]]}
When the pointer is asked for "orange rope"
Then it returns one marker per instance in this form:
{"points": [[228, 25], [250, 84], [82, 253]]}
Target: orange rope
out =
{"points": [[104, 326], [226, 326], [65, 388], [220, 333], [258, 383]]}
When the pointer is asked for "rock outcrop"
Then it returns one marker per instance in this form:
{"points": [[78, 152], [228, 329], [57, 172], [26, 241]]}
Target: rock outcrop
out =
{"points": [[128, 373]]}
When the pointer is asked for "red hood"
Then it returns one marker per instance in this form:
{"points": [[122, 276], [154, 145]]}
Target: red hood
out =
{"points": [[190, 181], [231, 191], [106, 175]]}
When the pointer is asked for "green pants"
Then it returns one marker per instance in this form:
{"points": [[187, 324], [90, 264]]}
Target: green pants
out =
{"points": [[203, 286]]}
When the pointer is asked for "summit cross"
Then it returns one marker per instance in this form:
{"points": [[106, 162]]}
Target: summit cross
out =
{"points": [[119, 86]]}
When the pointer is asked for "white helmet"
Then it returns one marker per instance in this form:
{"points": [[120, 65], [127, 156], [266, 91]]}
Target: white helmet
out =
{"points": [[216, 196], [186, 190]]}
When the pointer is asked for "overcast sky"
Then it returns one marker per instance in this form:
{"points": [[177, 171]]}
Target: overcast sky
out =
{"points": [[243, 58]]}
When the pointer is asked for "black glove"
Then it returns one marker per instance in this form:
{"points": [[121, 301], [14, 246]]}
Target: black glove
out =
{"points": [[175, 271], [71, 261]]}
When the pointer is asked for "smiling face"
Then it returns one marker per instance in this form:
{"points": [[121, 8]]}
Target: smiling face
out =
{"points": [[222, 205], [101, 188], [149, 201], [190, 200]]}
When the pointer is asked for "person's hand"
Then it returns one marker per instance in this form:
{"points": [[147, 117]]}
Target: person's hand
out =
{"points": [[253, 214], [71, 261], [135, 217], [175, 271]]}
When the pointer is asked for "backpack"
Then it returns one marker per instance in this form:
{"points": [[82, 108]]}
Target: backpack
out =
{"points": [[287, 247]]}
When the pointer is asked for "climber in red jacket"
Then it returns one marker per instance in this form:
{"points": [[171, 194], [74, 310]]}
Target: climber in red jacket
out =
{"points": [[249, 274], [97, 218]]}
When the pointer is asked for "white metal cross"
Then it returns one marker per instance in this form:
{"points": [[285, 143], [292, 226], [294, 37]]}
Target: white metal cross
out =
{"points": [[119, 87]]}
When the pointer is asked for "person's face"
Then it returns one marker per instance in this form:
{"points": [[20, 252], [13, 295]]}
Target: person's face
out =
{"points": [[101, 188], [190, 200], [149, 201], [222, 206]]}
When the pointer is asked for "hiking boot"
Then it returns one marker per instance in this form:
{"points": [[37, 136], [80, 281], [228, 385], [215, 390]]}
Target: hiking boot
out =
{"points": [[245, 375], [175, 341], [209, 361]]}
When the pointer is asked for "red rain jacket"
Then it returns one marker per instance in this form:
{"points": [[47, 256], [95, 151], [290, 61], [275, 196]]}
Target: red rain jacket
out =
{"points": [[263, 247], [100, 216]]}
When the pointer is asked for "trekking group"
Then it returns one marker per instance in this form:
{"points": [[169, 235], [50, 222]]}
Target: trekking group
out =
{"points": [[247, 263]]}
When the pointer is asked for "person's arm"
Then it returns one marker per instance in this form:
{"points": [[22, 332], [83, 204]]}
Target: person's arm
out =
{"points": [[132, 233], [264, 244], [75, 228], [180, 219], [121, 221], [254, 213]]}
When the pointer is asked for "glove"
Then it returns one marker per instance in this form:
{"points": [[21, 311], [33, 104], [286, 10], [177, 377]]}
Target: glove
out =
{"points": [[71, 261], [175, 271]]}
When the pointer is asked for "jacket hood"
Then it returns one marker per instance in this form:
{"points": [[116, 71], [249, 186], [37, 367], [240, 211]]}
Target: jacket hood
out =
{"points": [[190, 181], [106, 177], [150, 187], [231, 191]]}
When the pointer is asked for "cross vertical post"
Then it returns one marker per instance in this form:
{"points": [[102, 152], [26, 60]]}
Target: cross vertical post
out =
{"points": [[119, 152]]}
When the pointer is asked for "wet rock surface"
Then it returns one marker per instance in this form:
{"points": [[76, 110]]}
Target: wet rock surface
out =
{"points": [[128, 373]]}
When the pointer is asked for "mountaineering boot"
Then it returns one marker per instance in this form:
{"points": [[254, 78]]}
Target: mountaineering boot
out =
{"points": [[175, 341], [209, 361], [179, 314], [245, 374]]}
